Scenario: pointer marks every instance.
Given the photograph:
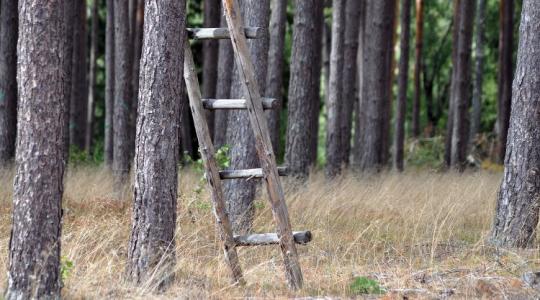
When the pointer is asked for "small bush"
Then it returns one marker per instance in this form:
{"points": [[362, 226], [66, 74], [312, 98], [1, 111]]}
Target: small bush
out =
{"points": [[364, 285]]}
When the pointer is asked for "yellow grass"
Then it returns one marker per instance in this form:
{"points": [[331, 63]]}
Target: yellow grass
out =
{"points": [[417, 232]]}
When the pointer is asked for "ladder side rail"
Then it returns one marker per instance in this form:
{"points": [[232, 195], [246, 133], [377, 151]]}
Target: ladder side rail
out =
{"points": [[211, 166], [263, 144]]}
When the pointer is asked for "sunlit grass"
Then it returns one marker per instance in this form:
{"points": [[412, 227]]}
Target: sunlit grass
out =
{"points": [[423, 231]]}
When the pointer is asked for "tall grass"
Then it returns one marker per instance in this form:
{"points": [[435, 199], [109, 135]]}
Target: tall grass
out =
{"points": [[393, 228]]}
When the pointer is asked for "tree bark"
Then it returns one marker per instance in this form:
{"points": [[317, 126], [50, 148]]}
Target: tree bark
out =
{"points": [[505, 74], [304, 86], [450, 117], [79, 87], [122, 92], [350, 73], [92, 79], [462, 86], [375, 94], [136, 39], [109, 84], [223, 87], [417, 67], [34, 248], [276, 61], [8, 79], [212, 10], [516, 215], [399, 134], [151, 254], [360, 115], [241, 193], [476, 113], [334, 147]]}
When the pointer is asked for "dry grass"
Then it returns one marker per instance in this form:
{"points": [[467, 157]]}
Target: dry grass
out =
{"points": [[421, 233]]}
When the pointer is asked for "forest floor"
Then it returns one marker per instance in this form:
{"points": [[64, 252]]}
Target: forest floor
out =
{"points": [[420, 235]]}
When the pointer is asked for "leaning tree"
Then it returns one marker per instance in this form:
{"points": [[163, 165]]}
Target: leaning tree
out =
{"points": [[516, 216], [34, 247]]}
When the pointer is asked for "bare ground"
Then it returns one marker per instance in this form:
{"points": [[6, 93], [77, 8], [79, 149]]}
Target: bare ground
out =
{"points": [[420, 235]]}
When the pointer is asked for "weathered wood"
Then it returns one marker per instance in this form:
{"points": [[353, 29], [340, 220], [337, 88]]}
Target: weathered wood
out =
{"points": [[212, 173], [249, 173], [268, 103], [263, 143], [261, 239], [223, 33]]}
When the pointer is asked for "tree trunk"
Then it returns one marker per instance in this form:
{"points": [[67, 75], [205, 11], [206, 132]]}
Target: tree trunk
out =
{"points": [[79, 87], [109, 83], [350, 74], [399, 134], [304, 86], [505, 74], [476, 114], [462, 86], [69, 20], [151, 255], [212, 10], [276, 61], [334, 147], [450, 117], [122, 92], [417, 67], [241, 193], [516, 215], [92, 79], [136, 39], [34, 248], [316, 90], [223, 87], [8, 79], [360, 115], [375, 94]]}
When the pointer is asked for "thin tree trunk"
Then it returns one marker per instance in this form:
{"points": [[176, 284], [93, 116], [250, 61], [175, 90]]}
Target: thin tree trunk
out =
{"points": [[417, 67], [350, 73], [304, 86], [360, 115], [450, 117], [476, 113], [276, 61], [399, 134], [241, 193], [316, 91], [137, 39], [223, 87], [34, 247], [334, 148], [505, 74], [109, 83], [462, 86], [122, 92], [69, 20], [8, 80], [79, 87], [92, 79], [212, 10], [151, 254], [375, 94], [516, 216], [391, 65]]}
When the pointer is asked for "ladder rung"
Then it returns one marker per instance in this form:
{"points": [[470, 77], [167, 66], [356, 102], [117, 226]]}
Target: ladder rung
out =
{"points": [[300, 237], [223, 33], [268, 103], [248, 173]]}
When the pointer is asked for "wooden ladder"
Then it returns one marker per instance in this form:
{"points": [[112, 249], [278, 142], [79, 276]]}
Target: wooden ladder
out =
{"points": [[269, 171]]}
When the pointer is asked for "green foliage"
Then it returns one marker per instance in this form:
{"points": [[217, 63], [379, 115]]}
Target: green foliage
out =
{"points": [[78, 157], [426, 153], [66, 265], [364, 285], [223, 161]]}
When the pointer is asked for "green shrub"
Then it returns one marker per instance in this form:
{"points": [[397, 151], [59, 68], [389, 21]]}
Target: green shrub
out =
{"points": [[364, 285]]}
